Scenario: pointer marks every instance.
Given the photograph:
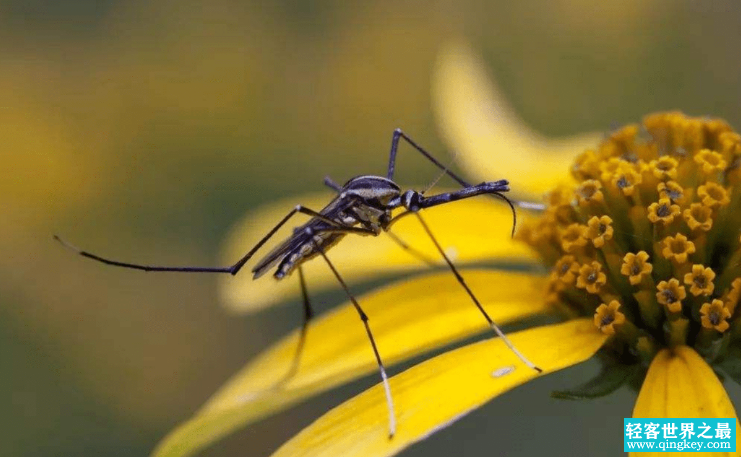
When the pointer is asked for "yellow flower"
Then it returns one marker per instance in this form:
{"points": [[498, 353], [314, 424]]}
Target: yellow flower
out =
{"points": [[677, 248], [715, 315], [663, 211], [671, 294], [700, 280], [608, 317], [698, 217], [599, 230], [583, 259], [636, 266]]}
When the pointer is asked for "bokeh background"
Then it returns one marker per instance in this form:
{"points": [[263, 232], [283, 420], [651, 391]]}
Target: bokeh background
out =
{"points": [[144, 129]]}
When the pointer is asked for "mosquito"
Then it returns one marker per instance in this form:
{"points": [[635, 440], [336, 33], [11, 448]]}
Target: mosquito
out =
{"points": [[362, 206]]}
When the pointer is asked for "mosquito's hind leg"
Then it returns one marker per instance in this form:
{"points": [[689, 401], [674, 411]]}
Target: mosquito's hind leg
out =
{"points": [[295, 362], [364, 318], [233, 269], [308, 314], [463, 284]]}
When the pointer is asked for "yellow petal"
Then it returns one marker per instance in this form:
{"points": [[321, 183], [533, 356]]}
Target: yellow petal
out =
{"points": [[492, 141], [436, 393], [407, 319], [477, 229], [680, 383]]}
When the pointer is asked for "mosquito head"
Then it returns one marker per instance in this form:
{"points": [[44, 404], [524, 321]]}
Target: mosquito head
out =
{"points": [[372, 190], [410, 200]]}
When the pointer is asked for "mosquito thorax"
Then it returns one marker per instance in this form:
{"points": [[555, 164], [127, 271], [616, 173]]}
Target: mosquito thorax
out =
{"points": [[373, 190]]}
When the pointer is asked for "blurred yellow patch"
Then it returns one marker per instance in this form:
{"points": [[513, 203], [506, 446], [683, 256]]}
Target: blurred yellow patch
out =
{"points": [[437, 392], [407, 318], [472, 230], [492, 141]]}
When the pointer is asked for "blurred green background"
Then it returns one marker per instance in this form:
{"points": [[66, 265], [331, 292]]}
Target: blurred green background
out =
{"points": [[142, 130]]}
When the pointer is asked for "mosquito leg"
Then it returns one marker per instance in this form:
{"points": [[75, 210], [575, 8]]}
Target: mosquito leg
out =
{"points": [[233, 270], [364, 318], [308, 314], [399, 134], [458, 276]]}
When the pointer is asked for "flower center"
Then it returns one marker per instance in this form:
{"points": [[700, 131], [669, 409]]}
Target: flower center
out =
{"points": [[669, 296], [647, 241]]}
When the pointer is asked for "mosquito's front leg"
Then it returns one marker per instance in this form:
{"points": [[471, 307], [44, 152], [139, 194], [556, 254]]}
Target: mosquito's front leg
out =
{"points": [[475, 300], [399, 134]]}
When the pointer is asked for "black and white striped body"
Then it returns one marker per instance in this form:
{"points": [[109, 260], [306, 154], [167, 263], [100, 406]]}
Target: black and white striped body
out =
{"points": [[364, 201]]}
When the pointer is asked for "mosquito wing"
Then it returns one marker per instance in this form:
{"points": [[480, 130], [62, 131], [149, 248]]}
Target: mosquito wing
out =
{"points": [[279, 252], [300, 237]]}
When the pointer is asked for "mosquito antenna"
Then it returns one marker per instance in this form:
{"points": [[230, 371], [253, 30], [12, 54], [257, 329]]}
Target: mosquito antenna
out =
{"points": [[528, 205], [444, 171]]}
